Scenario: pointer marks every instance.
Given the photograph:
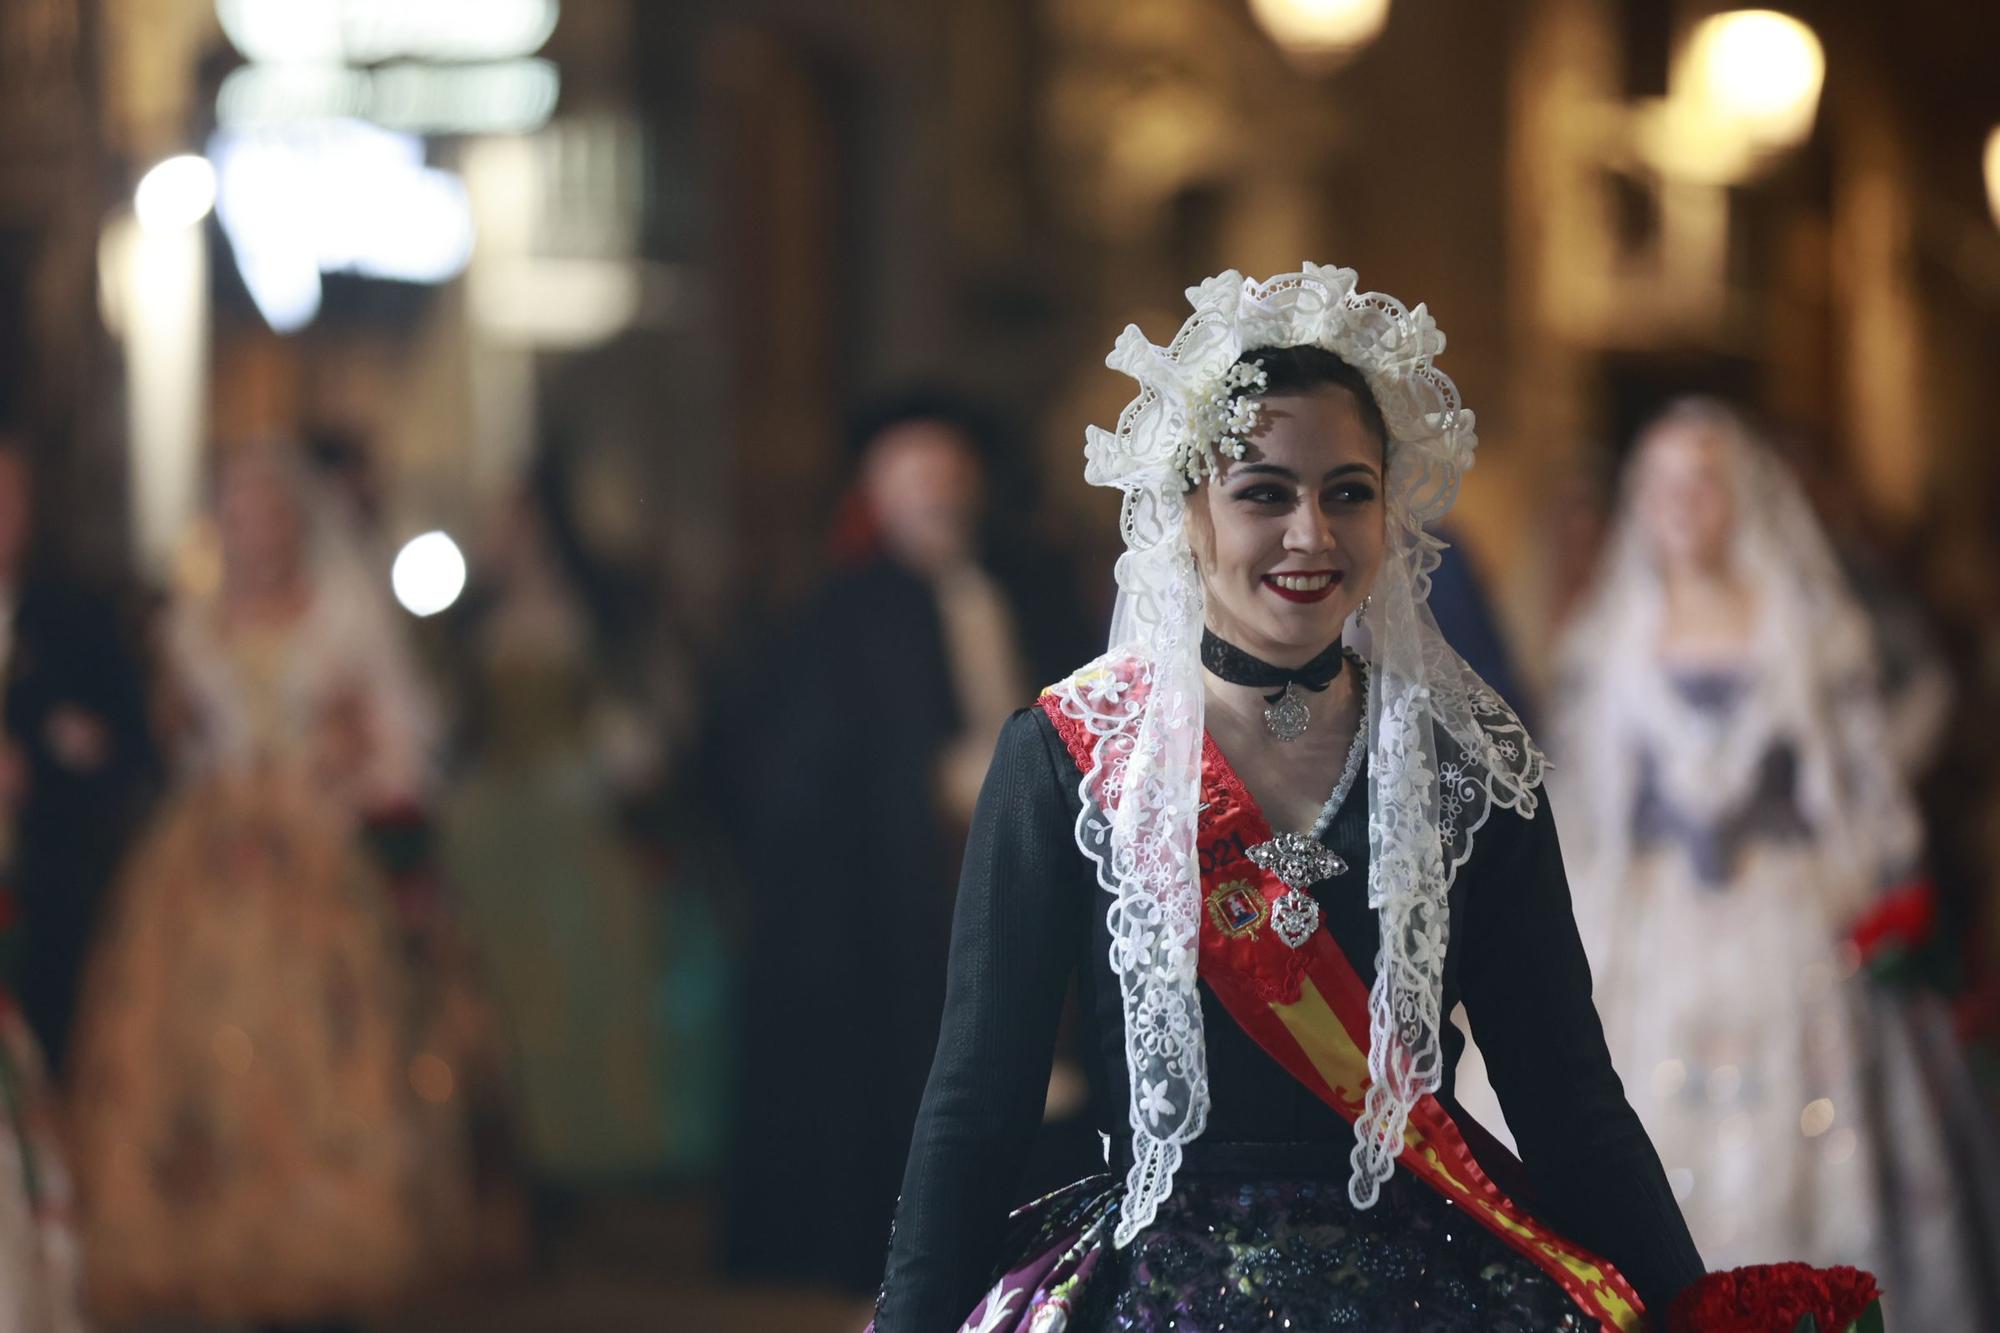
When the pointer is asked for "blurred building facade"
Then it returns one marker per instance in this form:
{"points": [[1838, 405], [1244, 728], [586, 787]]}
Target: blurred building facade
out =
{"points": [[739, 218], [671, 246]]}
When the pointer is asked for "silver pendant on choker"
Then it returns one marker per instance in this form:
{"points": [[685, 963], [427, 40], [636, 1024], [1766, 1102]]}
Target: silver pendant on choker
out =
{"points": [[1288, 717], [1299, 862]]}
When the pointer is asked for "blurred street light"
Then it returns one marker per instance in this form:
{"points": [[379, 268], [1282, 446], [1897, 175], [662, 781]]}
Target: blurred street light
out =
{"points": [[1745, 88], [1993, 173], [1759, 72], [429, 574], [365, 32], [1321, 31], [339, 196], [493, 97], [177, 193]]}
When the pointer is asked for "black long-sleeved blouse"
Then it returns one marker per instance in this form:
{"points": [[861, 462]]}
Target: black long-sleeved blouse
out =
{"points": [[1030, 914]]}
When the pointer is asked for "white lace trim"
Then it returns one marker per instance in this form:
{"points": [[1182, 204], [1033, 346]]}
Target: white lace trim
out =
{"points": [[1357, 751], [1143, 704]]}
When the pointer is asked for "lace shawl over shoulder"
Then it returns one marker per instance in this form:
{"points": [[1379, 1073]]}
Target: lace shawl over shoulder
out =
{"points": [[1142, 702]]}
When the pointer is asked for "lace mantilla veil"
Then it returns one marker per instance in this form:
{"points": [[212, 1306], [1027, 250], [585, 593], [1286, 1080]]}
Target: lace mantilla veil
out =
{"points": [[1443, 750]]}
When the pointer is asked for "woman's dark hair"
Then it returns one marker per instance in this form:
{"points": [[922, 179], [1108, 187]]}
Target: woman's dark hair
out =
{"points": [[1304, 369], [946, 406]]}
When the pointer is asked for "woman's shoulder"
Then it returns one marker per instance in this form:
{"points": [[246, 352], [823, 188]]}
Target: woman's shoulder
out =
{"points": [[1030, 738], [1032, 774], [1101, 697], [1112, 678]]}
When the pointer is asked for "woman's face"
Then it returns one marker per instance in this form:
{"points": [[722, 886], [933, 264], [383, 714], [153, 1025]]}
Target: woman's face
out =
{"points": [[1687, 499], [1289, 537], [923, 486], [259, 519]]}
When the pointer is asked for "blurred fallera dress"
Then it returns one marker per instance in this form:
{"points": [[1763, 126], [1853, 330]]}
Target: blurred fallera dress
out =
{"points": [[555, 900], [281, 1078], [1728, 822]]}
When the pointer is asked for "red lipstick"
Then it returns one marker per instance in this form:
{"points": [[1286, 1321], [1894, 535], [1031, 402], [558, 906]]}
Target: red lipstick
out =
{"points": [[1333, 577]]}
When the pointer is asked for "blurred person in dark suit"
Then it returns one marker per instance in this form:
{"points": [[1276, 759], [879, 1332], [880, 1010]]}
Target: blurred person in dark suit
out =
{"points": [[1466, 615], [857, 751], [77, 764]]}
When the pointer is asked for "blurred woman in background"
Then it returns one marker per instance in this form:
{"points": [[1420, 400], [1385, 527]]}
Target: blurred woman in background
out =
{"points": [[552, 894], [272, 1110], [1735, 808]]}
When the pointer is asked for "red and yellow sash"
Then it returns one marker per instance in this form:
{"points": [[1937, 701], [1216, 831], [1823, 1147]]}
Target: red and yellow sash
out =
{"points": [[1308, 1009]]}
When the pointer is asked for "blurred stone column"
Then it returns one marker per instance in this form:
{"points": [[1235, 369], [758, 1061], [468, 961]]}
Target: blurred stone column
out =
{"points": [[52, 363], [773, 302], [1881, 353]]}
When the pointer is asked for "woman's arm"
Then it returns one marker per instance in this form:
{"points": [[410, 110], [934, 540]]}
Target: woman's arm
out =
{"points": [[1021, 914], [1526, 987]]}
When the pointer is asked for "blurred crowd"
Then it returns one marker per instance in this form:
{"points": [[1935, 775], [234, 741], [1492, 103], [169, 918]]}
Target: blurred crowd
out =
{"points": [[346, 946], [346, 949]]}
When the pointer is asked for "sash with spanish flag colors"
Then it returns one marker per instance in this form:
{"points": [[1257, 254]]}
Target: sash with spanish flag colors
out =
{"points": [[1308, 1009]]}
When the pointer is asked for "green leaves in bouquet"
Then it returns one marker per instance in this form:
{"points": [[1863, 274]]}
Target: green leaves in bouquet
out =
{"points": [[1868, 1321]]}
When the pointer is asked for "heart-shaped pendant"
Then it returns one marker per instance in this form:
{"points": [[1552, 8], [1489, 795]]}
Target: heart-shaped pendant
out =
{"points": [[1295, 916]]}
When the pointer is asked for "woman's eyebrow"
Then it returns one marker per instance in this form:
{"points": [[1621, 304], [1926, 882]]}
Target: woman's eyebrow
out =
{"points": [[1280, 470]]}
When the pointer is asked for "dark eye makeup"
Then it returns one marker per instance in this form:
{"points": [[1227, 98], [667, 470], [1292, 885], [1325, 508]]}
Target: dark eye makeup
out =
{"points": [[1267, 495]]}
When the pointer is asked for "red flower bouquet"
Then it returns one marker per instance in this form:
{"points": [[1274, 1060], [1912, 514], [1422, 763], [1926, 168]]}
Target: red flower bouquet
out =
{"points": [[1779, 1298], [1900, 921]]}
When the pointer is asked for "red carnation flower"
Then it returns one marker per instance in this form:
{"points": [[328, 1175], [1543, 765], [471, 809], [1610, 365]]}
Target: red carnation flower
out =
{"points": [[1902, 918], [1774, 1298]]}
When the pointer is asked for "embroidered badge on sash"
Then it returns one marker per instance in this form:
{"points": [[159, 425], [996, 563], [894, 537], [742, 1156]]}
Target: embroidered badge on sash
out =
{"points": [[1236, 908]]}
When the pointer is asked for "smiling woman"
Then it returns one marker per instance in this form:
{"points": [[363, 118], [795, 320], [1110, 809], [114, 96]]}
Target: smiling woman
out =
{"points": [[1295, 897], [1288, 537]]}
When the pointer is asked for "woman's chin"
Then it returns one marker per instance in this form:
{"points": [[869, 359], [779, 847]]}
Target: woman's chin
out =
{"points": [[1303, 630]]}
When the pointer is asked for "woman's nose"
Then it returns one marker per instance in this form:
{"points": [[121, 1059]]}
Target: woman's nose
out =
{"points": [[1309, 532]]}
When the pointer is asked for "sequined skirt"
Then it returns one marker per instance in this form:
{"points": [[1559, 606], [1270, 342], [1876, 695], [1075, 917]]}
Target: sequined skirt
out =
{"points": [[1236, 1251]]}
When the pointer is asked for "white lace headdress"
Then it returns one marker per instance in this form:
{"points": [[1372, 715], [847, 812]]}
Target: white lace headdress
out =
{"points": [[1442, 748]]}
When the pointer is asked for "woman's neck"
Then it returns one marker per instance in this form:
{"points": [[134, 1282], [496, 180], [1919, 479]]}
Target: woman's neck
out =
{"points": [[1247, 702], [265, 601], [1287, 656], [1240, 707], [1709, 614], [1289, 780]]}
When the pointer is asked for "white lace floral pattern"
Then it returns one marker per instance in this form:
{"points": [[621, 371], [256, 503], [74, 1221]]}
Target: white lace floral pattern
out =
{"points": [[1142, 702]]}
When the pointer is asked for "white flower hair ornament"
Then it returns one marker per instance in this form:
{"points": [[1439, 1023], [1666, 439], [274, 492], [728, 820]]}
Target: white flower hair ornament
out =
{"points": [[1196, 404], [1443, 750]]}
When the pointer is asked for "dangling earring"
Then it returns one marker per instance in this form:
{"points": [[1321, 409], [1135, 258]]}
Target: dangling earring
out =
{"points": [[1362, 609]]}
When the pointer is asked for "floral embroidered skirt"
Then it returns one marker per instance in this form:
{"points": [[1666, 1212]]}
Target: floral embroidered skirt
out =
{"points": [[1230, 1253], [278, 1103]]}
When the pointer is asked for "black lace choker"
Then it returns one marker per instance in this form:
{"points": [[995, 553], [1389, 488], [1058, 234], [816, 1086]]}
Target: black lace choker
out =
{"points": [[1288, 716]]}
